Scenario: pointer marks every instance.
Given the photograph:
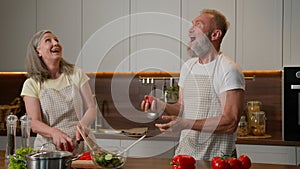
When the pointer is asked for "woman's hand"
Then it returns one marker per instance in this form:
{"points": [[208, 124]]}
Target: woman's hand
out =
{"points": [[62, 140]]}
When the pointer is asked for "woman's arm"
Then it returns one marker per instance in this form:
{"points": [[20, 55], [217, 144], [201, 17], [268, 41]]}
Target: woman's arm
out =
{"points": [[33, 109]]}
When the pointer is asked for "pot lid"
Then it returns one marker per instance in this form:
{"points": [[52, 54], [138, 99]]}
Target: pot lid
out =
{"points": [[49, 155]]}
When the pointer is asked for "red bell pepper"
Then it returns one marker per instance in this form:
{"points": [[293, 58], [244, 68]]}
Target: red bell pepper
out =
{"points": [[183, 162]]}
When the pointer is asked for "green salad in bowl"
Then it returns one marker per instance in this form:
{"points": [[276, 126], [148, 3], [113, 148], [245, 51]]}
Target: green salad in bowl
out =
{"points": [[108, 159]]}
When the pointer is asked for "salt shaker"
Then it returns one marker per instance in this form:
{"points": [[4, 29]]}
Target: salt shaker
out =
{"points": [[11, 124], [25, 130]]}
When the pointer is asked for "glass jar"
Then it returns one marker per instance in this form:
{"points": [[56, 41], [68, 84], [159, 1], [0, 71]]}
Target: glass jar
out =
{"points": [[242, 127], [252, 106], [258, 123]]}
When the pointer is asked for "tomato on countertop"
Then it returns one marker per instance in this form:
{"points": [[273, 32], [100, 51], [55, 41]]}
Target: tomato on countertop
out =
{"points": [[183, 162], [85, 156], [229, 162], [219, 163]]}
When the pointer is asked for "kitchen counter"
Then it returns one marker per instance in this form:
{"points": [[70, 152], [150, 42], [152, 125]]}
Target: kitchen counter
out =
{"points": [[275, 139], [161, 163]]}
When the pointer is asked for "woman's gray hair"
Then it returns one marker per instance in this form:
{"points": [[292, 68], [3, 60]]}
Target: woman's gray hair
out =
{"points": [[35, 66]]}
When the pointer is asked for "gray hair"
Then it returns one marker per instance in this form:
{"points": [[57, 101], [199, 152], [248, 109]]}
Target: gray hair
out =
{"points": [[219, 20], [35, 66]]}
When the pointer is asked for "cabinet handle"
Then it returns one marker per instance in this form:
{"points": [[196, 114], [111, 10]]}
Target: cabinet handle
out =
{"points": [[295, 86]]}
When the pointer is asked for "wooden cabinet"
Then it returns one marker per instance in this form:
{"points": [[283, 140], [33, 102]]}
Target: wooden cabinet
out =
{"points": [[18, 24], [268, 154], [191, 9], [291, 35], [105, 33], [259, 34], [64, 19]]}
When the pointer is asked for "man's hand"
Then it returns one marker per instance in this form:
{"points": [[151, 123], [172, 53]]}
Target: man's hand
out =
{"points": [[175, 124], [152, 104]]}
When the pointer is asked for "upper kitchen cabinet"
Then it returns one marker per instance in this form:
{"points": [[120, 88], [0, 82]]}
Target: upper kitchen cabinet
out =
{"points": [[259, 34], [191, 9], [105, 33], [64, 19], [155, 35], [291, 35], [18, 24]]}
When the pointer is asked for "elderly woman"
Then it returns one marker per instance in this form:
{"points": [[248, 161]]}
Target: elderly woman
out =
{"points": [[55, 94]]}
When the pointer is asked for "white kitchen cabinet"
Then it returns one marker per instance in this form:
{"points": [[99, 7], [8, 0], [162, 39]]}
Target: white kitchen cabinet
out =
{"points": [[259, 34], [18, 24], [105, 33], [145, 148], [150, 148], [268, 154], [64, 19], [291, 36], [191, 9], [155, 35], [108, 143]]}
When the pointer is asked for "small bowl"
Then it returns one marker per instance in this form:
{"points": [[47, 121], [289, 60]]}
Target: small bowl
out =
{"points": [[108, 158], [152, 115]]}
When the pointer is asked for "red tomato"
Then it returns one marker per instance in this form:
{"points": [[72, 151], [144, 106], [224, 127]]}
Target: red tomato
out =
{"points": [[245, 161], [219, 163], [234, 163], [85, 156], [183, 167]]}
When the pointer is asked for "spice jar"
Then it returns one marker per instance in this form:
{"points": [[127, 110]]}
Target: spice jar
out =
{"points": [[258, 123], [242, 127], [252, 106], [11, 124]]}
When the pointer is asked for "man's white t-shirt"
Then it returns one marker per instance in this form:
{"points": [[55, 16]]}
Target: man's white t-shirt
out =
{"points": [[227, 74]]}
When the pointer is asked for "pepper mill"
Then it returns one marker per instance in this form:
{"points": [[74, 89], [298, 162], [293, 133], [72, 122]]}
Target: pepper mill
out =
{"points": [[25, 130], [11, 124]]}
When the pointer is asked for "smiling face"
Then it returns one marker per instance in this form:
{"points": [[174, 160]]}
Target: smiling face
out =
{"points": [[49, 48], [199, 34]]}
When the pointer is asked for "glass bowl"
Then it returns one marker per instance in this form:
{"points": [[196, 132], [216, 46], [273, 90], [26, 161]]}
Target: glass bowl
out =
{"points": [[108, 158]]}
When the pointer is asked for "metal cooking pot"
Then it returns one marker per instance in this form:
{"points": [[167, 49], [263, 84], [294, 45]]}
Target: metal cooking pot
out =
{"points": [[49, 160]]}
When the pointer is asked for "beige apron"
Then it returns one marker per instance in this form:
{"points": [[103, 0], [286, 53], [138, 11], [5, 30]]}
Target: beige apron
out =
{"points": [[201, 102], [59, 111]]}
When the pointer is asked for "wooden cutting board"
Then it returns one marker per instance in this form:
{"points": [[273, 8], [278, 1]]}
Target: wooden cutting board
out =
{"points": [[83, 164], [250, 136]]}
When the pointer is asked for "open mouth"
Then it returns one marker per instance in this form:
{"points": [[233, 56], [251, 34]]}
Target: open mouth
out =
{"points": [[55, 50]]}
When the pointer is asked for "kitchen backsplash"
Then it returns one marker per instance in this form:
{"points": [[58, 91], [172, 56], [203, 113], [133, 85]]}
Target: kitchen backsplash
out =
{"points": [[117, 93]]}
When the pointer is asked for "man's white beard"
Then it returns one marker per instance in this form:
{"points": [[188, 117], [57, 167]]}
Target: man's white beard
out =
{"points": [[200, 47]]}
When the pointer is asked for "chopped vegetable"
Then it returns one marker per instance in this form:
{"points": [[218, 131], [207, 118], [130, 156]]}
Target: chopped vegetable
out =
{"points": [[21, 155], [108, 160]]}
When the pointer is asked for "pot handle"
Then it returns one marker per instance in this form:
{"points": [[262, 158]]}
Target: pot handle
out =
{"points": [[68, 162]]}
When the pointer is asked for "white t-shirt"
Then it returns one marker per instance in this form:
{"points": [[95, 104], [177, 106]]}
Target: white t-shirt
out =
{"points": [[227, 76], [32, 88]]}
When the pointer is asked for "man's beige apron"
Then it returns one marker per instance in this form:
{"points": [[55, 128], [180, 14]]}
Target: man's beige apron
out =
{"points": [[201, 102], [58, 111]]}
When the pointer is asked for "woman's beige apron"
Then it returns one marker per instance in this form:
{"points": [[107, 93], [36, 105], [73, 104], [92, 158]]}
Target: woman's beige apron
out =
{"points": [[201, 102], [59, 111]]}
